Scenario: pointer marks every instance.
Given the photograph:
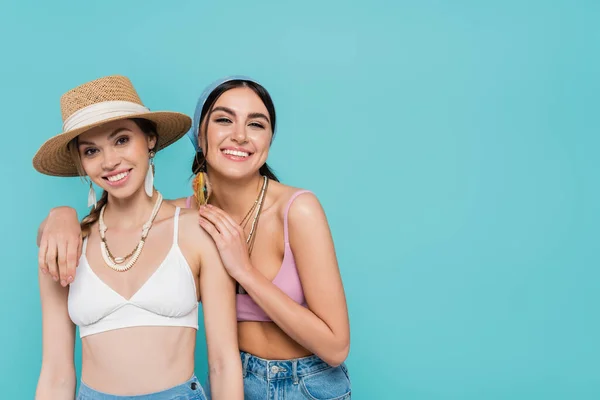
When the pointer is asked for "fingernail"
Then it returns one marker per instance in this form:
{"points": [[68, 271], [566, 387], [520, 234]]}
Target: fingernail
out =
{"points": [[70, 279], [44, 271], [55, 278], [63, 282]]}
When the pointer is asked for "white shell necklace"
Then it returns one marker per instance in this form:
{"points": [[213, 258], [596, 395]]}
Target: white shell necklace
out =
{"points": [[116, 263]]}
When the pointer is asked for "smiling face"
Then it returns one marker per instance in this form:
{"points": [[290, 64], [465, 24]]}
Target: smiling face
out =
{"points": [[115, 156], [237, 133]]}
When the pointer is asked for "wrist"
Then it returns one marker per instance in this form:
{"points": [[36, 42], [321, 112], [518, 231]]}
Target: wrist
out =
{"points": [[244, 274]]}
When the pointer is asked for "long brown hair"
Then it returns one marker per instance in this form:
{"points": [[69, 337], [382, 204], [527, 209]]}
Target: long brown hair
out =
{"points": [[146, 126]]}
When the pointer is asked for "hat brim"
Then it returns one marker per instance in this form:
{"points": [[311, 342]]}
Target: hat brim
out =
{"points": [[54, 159]]}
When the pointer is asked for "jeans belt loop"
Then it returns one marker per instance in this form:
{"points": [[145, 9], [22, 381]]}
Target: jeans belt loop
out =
{"points": [[245, 364], [295, 371]]}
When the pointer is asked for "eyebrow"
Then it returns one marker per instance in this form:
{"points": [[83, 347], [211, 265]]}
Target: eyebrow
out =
{"points": [[112, 135], [251, 115], [259, 115]]}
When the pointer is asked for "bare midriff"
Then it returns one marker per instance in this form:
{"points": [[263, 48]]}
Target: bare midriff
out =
{"points": [[138, 360]]}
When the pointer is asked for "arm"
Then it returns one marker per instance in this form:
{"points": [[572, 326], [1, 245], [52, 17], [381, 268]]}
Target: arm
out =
{"points": [[217, 289], [323, 327], [57, 376]]}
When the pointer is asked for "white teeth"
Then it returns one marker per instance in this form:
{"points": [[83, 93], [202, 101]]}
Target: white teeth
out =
{"points": [[118, 177], [236, 153]]}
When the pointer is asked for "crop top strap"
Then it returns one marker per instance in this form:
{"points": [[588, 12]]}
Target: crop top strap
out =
{"points": [[176, 225]]}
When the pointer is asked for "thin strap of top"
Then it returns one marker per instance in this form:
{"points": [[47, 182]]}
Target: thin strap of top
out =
{"points": [[176, 225], [287, 210], [188, 202]]}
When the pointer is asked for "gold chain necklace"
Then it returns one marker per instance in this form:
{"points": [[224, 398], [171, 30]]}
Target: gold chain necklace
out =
{"points": [[258, 205], [245, 220], [113, 262]]}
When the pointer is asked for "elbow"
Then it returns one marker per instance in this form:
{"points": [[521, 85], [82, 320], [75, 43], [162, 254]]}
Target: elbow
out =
{"points": [[337, 356], [225, 365], [226, 379], [58, 372], [217, 370], [56, 383]]}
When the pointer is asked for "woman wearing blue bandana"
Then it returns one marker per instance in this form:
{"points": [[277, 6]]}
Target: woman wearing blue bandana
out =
{"points": [[274, 240]]}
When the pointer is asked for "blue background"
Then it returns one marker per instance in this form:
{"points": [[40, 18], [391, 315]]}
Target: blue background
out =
{"points": [[454, 146]]}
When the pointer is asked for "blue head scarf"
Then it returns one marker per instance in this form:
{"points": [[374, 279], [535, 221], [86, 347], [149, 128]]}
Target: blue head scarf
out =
{"points": [[193, 132]]}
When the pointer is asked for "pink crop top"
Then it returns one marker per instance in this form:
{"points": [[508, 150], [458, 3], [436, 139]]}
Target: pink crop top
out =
{"points": [[287, 278]]}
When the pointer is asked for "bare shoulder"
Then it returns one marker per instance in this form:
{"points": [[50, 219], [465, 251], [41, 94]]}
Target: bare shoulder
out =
{"points": [[302, 200], [279, 195], [306, 220], [189, 226], [195, 242], [305, 206]]}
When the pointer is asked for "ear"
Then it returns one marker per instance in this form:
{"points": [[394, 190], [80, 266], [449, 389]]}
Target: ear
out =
{"points": [[151, 142]]}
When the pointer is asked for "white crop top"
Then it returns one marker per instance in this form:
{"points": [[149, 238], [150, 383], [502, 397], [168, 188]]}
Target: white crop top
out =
{"points": [[167, 298]]}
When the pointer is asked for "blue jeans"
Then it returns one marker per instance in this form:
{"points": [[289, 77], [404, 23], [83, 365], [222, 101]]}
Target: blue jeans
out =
{"points": [[190, 390], [298, 379]]}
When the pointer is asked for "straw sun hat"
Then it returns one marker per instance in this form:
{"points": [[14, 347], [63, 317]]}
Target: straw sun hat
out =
{"points": [[95, 103]]}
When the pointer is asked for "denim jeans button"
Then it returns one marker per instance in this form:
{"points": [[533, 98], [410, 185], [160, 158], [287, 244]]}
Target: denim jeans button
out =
{"points": [[274, 369], [194, 386]]}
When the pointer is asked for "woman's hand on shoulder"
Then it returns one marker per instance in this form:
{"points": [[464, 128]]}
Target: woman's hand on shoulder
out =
{"points": [[59, 238], [229, 238]]}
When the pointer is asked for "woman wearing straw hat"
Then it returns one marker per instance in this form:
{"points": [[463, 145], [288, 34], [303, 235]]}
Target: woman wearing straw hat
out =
{"points": [[143, 265], [274, 240]]}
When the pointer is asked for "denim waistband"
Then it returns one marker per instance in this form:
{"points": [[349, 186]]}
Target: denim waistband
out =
{"points": [[282, 369], [190, 387]]}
